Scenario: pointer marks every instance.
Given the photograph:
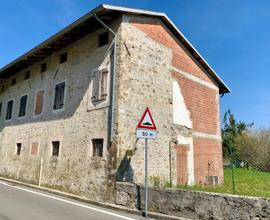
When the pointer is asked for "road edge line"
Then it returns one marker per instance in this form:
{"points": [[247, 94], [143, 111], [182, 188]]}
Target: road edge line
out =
{"points": [[89, 201]]}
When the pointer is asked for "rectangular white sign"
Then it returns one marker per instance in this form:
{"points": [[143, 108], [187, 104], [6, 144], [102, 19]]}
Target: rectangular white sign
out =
{"points": [[146, 134]]}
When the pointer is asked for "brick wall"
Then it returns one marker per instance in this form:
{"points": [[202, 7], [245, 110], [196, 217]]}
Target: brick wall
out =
{"points": [[201, 98]]}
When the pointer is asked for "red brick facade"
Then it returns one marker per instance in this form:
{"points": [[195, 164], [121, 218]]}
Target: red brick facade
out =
{"points": [[201, 100]]}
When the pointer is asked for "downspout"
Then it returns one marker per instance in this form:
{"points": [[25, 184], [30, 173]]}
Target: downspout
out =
{"points": [[112, 98]]}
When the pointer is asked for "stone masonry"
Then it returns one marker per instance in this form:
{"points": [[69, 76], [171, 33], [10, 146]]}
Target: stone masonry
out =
{"points": [[153, 69]]}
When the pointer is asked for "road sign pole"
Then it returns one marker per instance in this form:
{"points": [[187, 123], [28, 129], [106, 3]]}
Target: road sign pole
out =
{"points": [[146, 177]]}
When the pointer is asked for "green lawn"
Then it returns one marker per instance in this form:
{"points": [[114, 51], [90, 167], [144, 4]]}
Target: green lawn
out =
{"points": [[247, 182]]}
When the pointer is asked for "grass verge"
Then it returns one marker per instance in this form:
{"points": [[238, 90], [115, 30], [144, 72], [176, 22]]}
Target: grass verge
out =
{"points": [[248, 182]]}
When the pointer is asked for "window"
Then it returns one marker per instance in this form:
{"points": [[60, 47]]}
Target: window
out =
{"points": [[39, 102], [27, 75], [23, 105], [43, 67], [9, 109], [63, 58], [97, 147], [55, 148], [18, 149], [99, 89], [104, 77], [13, 81], [0, 109], [34, 149], [59, 96], [103, 39]]}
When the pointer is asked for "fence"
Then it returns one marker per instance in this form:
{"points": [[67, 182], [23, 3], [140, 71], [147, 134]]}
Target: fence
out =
{"points": [[246, 173]]}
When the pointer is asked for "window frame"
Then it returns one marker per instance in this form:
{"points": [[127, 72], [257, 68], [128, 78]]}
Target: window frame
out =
{"points": [[27, 75], [16, 149], [12, 109], [64, 99], [61, 56], [94, 147], [26, 106], [43, 67], [52, 148]]}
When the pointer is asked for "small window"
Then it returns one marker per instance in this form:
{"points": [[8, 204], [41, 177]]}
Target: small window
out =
{"points": [[9, 110], [103, 39], [23, 105], [97, 147], [0, 109], [34, 149], [55, 148], [39, 102], [59, 96], [63, 57], [43, 67], [13, 81], [27, 75], [18, 149]]}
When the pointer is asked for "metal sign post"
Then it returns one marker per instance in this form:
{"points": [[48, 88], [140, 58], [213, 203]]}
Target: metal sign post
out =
{"points": [[146, 176], [146, 129]]}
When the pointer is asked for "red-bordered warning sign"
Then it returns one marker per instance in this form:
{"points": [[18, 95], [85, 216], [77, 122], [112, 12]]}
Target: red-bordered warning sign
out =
{"points": [[147, 121]]}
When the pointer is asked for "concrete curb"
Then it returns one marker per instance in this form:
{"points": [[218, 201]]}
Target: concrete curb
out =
{"points": [[83, 199]]}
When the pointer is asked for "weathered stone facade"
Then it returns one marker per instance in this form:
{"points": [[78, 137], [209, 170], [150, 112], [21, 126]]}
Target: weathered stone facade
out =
{"points": [[153, 69]]}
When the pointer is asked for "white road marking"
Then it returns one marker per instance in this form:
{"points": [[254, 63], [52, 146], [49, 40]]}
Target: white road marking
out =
{"points": [[69, 202]]}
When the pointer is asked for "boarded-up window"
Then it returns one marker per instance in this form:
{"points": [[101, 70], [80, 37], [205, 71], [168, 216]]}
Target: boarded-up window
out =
{"points": [[34, 149], [97, 147], [55, 148], [59, 96], [9, 109], [39, 102], [23, 105]]}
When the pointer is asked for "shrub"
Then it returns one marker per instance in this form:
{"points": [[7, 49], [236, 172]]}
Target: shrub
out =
{"points": [[253, 149]]}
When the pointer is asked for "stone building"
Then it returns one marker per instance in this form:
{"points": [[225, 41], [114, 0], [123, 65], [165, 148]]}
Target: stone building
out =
{"points": [[70, 106]]}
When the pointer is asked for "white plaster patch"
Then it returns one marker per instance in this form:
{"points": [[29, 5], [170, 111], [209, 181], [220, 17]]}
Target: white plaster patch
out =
{"points": [[181, 115]]}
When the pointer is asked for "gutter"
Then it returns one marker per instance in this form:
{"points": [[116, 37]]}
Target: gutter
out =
{"points": [[112, 96]]}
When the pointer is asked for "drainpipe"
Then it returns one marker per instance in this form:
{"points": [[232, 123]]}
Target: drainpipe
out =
{"points": [[112, 98]]}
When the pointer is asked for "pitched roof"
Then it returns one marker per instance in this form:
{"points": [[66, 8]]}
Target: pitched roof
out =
{"points": [[87, 24]]}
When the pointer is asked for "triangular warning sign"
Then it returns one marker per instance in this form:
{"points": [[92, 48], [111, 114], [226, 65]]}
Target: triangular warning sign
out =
{"points": [[147, 121]]}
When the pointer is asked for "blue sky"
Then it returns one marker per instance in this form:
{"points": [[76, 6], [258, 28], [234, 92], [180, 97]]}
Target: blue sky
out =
{"points": [[232, 35]]}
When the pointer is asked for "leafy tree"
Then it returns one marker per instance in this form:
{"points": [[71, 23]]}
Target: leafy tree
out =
{"points": [[231, 130]]}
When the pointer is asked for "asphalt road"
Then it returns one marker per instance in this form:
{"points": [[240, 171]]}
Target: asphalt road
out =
{"points": [[22, 203]]}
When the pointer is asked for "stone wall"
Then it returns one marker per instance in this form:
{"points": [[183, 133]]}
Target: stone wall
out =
{"points": [[193, 205], [75, 170], [182, 95]]}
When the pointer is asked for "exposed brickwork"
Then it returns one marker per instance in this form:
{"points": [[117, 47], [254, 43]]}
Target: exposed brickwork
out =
{"points": [[181, 158], [181, 59], [207, 159], [201, 102]]}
